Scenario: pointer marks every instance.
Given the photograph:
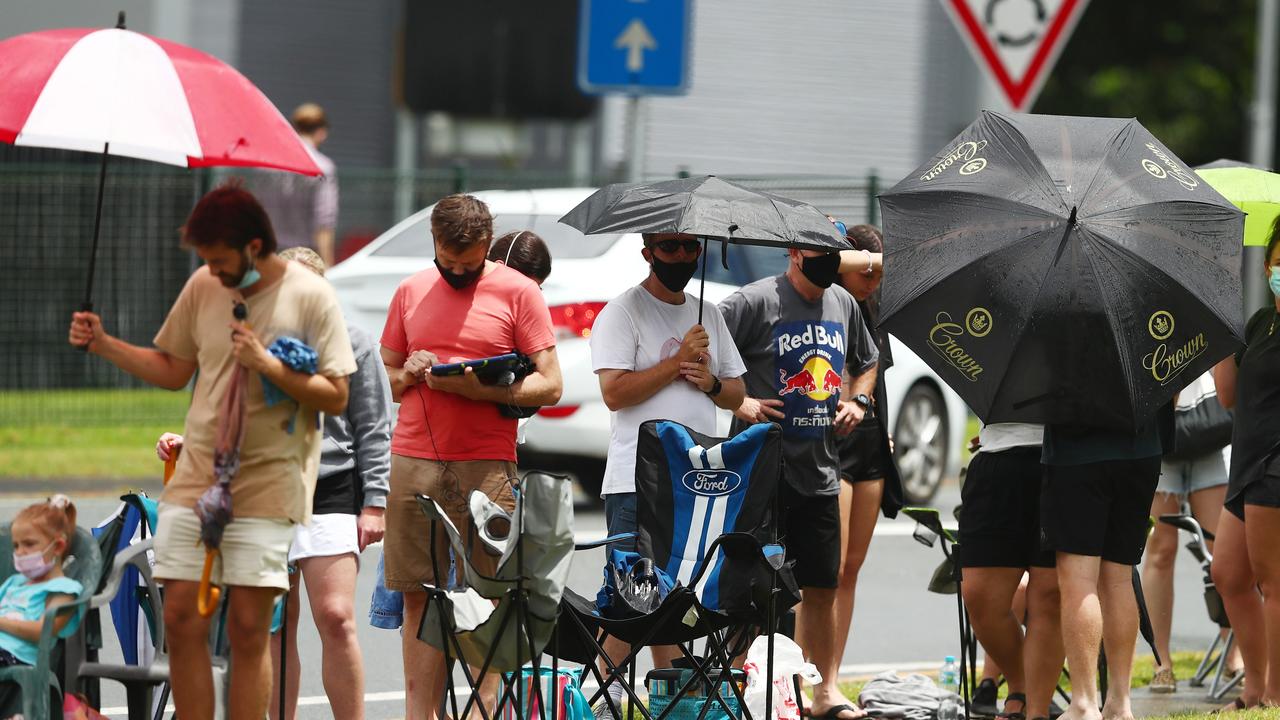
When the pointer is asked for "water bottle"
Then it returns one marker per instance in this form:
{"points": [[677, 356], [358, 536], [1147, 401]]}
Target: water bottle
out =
{"points": [[949, 681]]}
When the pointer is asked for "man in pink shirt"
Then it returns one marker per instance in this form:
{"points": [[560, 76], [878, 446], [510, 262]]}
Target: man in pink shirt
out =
{"points": [[451, 438]]}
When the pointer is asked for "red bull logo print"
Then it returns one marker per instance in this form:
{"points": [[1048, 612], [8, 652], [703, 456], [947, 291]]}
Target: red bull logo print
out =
{"points": [[810, 356]]}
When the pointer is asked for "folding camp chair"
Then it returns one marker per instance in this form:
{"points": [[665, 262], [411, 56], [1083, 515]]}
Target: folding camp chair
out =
{"points": [[534, 552], [1214, 660], [41, 689], [705, 512]]}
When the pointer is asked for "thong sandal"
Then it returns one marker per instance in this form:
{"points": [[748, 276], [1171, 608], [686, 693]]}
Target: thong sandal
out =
{"points": [[833, 713], [1236, 705]]}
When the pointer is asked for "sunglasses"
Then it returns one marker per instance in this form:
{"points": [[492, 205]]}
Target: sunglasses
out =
{"points": [[670, 246]]}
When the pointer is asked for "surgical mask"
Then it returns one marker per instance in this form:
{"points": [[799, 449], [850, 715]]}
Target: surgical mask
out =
{"points": [[674, 276], [458, 281], [1274, 281], [251, 275], [821, 270], [33, 565]]}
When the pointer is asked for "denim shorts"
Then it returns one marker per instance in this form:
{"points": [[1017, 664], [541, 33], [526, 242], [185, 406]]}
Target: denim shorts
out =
{"points": [[386, 610], [620, 517], [1183, 477]]}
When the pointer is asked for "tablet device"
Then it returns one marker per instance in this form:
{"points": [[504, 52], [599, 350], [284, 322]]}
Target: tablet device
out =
{"points": [[487, 366]]}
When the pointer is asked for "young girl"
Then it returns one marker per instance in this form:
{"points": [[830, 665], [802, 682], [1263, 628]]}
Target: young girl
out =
{"points": [[41, 538]]}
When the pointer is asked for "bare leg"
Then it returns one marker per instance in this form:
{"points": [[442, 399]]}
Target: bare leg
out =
{"points": [[331, 587], [1261, 529], [423, 665], [190, 668], [1081, 631], [1043, 664], [1233, 576], [294, 669], [1206, 507], [1119, 635], [814, 634], [1157, 573], [988, 595], [249, 628], [860, 509]]}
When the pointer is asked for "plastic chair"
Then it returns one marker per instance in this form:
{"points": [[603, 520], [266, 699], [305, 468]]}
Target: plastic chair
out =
{"points": [[39, 684]]}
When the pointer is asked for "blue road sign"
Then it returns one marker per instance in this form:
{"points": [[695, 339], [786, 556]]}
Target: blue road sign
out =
{"points": [[633, 46]]}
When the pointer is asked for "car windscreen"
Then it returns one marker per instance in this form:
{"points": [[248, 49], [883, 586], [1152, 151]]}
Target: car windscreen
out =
{"points": [[562, 240]]}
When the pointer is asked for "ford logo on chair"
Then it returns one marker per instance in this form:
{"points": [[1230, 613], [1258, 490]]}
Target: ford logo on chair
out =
{"points": [[711, 483]]}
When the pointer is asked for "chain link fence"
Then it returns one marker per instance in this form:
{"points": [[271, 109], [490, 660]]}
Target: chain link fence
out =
{"points": [[47, 201]]}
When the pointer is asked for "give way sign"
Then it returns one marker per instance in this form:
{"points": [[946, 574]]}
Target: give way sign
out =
{"points": [[1016, 41]]}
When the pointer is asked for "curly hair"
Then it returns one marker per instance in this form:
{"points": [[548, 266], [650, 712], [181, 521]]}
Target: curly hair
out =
{"points": [[460, 222], [55, 517]]}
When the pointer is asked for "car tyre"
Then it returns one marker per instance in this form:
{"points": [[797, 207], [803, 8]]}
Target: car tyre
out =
{"points": [[920, 442]]}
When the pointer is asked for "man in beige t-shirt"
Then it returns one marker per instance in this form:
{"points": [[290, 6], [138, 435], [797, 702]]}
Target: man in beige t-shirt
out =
{"points": [[279, 458]]}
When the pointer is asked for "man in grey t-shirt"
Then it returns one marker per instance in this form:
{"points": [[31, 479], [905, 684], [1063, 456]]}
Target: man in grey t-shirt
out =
{"points": [[805, 345]]}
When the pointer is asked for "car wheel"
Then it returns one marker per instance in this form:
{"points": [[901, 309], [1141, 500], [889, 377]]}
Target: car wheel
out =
{"points": [[920, 443]]}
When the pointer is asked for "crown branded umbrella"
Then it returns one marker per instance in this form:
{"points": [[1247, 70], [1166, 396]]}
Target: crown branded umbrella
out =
{"points": [[118, 92], [1062, 270]]}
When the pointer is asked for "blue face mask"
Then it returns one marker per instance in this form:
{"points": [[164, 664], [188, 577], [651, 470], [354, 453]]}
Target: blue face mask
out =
{"points": [[1274, 281], [251, 275]]}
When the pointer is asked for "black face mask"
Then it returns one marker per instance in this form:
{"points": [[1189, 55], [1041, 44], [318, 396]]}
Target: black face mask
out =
{"points": [[458, 281], [821, 270], [674, 276]]}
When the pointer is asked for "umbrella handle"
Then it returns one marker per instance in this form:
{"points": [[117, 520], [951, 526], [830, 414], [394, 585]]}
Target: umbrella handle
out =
{"points": [[209, 594], [171, 464]]}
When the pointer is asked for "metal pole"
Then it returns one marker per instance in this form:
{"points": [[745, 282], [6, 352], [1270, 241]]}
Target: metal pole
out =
{"points": [[873, 205], [635, 140], [406, 162], [87, 306], [1261, 140]]}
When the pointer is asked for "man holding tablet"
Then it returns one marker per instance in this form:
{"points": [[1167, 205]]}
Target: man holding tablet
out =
{"points": [[451, 437]]}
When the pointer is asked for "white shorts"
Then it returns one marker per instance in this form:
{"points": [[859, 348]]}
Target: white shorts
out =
{"points": [[326, 536], [254, 551]]}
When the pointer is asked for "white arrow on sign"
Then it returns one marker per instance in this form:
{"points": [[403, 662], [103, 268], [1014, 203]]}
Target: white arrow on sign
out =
{"points": [[635, 39]]}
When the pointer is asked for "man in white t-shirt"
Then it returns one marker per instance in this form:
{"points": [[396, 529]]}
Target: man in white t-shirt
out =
{"points": [[655, 362]]}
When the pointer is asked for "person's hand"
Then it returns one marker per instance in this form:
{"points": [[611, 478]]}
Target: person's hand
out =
{"points": [[699, 374], [169, 445], [370, 526], [86, 331], [694, 346], [248, 349], [417, 364], [467, 384], [890, 443], [756, 410], [974, 444], [848, 415]]}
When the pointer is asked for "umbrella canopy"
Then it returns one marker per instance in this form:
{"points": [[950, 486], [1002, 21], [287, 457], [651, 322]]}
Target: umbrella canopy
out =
{"points": [[1062, 270], [1252, 189], [141, 97], [707, 207]]}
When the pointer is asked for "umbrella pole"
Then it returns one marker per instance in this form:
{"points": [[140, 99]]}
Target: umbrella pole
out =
{"points": [[702, 288], [87, 305]]}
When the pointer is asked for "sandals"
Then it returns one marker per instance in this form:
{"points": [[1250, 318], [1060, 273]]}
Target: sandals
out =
{"points": [[1017, 714], [1235, 706], [833, 713]]}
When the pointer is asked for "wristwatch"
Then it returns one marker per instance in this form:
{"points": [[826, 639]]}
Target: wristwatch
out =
{"points": [[862, 400], [715, 388]]}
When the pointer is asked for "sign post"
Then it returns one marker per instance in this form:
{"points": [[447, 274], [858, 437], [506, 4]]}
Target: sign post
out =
{"points": [[1016, 41]]}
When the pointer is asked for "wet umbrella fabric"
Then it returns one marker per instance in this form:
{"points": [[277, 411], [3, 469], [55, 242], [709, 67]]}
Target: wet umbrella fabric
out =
{"points": [[1062, 270], [1252, 189], [214, 505]]}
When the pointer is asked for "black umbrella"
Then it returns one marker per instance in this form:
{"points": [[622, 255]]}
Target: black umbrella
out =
{"points": [[1062, 270], [709, 208]]}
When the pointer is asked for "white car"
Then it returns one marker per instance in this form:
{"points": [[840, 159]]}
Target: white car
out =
{"points": [[927, 418]]}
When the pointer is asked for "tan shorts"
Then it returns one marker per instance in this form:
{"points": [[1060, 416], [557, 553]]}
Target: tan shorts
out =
{"points": [[254, 551], [406, 548]]}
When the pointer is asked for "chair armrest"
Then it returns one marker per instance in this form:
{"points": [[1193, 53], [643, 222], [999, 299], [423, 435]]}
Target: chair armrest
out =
{"points": [[47, 637], [122, 560], [606, 541]]}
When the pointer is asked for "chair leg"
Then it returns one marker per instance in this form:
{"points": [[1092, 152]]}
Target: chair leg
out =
{"points": [[1207, 664], [138, 699]]}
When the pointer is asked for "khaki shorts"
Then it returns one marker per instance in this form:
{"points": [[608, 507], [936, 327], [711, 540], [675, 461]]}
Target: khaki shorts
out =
{"points": [[407, 544], [254, 551]]}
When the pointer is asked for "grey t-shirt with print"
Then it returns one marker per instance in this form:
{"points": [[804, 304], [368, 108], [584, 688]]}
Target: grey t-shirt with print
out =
{"points": [[794, 351]]}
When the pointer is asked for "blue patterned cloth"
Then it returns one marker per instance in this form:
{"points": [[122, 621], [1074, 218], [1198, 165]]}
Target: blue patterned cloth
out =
{"points": [[299, 357]]}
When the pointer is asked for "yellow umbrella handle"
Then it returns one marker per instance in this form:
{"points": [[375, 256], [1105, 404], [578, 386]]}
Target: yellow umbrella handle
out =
{"points": [[209, 594]]}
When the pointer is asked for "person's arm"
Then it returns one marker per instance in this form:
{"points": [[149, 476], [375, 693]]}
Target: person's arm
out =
{"points": [[326, 394], [369, 417], [151, 365], [541, 387], [622, 388], [324, 245], [1224, 379], [863, 261], [29, 630]]}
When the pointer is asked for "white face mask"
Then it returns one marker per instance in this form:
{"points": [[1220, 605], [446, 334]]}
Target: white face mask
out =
{"points": [[34, 565]]}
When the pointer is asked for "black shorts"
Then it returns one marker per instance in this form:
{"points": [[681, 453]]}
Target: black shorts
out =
{"points": [[810, 527], [1000, 511], [1265, 492], [862, 455], [1100, 509]]}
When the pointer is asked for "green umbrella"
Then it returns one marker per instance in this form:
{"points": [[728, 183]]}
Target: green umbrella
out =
{"points": [[1252, 189]]}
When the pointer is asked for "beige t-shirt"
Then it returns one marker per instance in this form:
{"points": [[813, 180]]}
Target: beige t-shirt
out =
{"points": [[277, 468]]}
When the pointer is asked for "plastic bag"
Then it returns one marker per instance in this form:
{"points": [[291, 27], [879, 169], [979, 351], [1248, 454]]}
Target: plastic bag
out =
{"points": [[788, 660]]}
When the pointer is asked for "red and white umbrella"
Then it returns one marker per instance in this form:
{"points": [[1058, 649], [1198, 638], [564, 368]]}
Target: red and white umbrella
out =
{"points": [[118, 92]]}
